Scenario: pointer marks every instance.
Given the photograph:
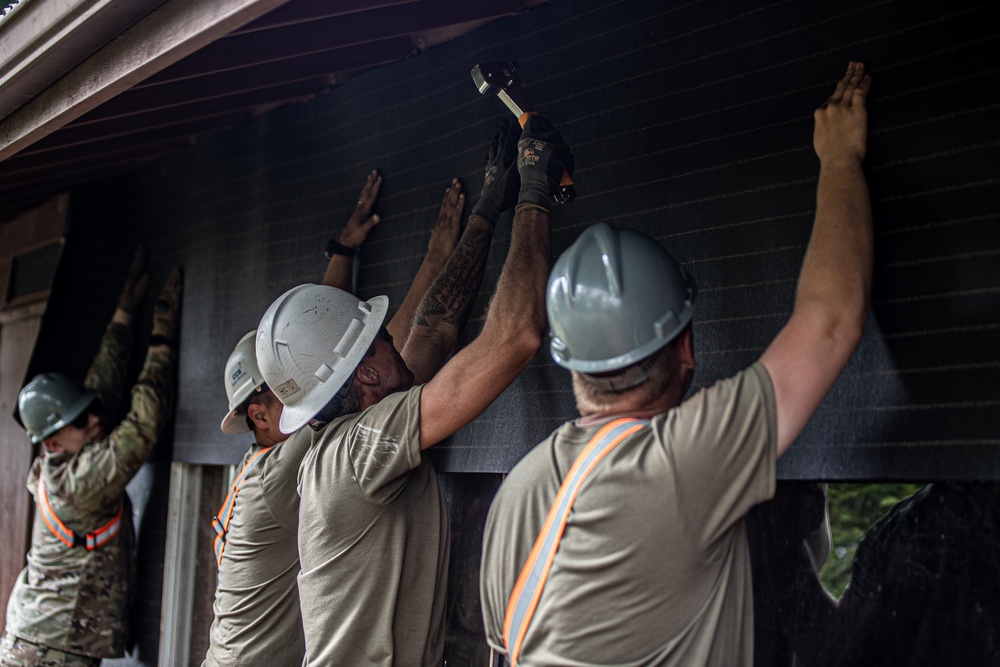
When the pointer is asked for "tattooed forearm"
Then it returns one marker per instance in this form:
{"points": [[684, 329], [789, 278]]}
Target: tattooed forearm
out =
{"points": [[451, 296]]}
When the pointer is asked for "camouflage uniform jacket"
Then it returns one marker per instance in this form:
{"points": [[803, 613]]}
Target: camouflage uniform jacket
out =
{"points": [[72, 599]]}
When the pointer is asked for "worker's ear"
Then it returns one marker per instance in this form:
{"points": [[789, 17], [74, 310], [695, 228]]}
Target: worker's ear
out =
{"points": [[685, 349], [258, 415], [366, 374], [50, 445]]}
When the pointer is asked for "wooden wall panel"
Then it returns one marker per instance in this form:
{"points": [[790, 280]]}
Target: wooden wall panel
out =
{"points": [[17, 336]]}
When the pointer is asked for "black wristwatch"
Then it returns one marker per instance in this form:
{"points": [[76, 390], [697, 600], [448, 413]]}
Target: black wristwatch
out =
{"points": [[335, 247]]}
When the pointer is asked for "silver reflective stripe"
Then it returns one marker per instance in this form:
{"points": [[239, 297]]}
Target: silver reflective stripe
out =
{"points": [[99, 539], [92, 540], [55, 524], [531, 581]]}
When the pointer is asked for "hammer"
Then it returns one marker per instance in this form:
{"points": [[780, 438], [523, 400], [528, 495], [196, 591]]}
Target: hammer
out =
{"points": [[501, 79]]}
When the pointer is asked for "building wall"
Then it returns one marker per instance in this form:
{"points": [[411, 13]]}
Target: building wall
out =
{"points": [[21, 308], [691, 122]]}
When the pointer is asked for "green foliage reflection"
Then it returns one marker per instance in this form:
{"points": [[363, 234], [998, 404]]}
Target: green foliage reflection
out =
{"points": [[854, 508]]}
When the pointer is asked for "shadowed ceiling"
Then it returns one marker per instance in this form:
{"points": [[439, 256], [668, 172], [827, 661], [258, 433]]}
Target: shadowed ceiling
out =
{"points": [[289, 54]]}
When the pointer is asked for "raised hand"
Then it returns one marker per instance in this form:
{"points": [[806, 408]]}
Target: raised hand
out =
{"points": [[444, 236], [135, 283], [842, 121], [542, 158], [363, 220], [166, 315], [501, 181]]}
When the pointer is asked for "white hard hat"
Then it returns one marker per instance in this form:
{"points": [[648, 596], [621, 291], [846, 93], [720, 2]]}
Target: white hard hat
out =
{"points": [[242, 379], [309, 342]]}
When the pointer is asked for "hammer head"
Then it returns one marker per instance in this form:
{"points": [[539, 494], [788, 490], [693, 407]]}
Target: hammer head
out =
{"points": [[501, 79]]}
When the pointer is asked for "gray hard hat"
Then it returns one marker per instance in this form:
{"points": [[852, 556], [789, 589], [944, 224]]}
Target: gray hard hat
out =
{"points": [[614, 298], [49, 402]]}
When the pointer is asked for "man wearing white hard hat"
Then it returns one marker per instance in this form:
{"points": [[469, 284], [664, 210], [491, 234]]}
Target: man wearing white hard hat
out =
{"points": [[257, 619], [373, 526]]}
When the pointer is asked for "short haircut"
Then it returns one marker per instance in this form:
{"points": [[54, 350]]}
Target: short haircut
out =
{"points": [[591, 397]]}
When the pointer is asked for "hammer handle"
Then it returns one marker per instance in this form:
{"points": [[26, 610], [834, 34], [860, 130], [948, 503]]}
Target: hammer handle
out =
{"points": [[567, 191]]}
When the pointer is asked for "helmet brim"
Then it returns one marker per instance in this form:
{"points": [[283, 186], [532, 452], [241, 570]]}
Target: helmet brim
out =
{"points": [[234, 424]]}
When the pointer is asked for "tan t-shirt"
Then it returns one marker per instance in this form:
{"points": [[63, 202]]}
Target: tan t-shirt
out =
{"points": [[257, 620], [653, 567], [373, 541]]}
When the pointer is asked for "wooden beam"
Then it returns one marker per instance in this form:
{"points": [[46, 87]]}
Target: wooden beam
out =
{"points": [[179, 561], [336, 32], [328, 64], [174, 30], [43, 39]]}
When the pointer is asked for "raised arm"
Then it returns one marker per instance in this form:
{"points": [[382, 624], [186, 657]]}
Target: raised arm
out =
{"points": [[342, 251], [515, 322], [134, 289], [106, 470], [831, 302], [445, 306], [444, 238], [108, 371]]}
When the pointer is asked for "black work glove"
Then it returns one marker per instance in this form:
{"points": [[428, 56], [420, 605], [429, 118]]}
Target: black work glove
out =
{"points": [[167, 311], [501, 181], [135, 284], [542, 157]]}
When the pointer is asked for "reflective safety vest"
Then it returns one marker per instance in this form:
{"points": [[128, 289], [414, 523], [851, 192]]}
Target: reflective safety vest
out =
{"points": [[531, 582], [92, 540], [221, 520]]}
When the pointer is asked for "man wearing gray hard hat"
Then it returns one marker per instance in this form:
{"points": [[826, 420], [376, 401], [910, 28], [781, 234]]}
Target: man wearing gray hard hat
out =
{"points": [[619, 540], [69, 605]]}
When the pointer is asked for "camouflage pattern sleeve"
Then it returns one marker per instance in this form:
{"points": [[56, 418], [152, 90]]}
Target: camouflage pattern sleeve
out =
{"points": [[108, 371], [101, 473], [71, 599]]}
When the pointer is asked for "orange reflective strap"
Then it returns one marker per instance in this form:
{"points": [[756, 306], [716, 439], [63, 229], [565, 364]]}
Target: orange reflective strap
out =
{"points": [[531, 582], [221, 525], [58, 528], [90, 541]]}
